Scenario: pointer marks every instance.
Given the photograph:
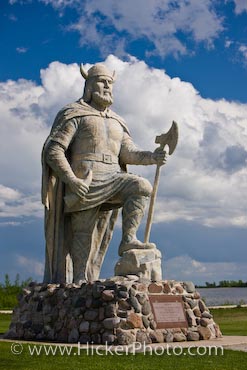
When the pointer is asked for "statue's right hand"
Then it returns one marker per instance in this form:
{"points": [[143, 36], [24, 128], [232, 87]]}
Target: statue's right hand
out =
{"points": [[79, 187]]}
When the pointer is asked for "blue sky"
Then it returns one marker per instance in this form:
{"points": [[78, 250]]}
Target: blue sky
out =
{"points": [[182, 60]]}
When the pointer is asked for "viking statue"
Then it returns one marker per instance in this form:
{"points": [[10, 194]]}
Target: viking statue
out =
{"points": [[85, 182]]}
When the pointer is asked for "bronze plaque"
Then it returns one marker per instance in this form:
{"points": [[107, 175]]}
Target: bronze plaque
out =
{"points": [[168, 311]]}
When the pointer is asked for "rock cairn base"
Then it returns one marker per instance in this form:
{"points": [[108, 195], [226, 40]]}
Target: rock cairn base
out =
{"points": [[116, 311]]}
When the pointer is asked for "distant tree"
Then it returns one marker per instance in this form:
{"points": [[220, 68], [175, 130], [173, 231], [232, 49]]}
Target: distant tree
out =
{"points": [[9, 291]]}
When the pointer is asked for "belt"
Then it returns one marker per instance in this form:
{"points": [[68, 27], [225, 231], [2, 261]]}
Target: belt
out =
{"points": [[97, 157]]}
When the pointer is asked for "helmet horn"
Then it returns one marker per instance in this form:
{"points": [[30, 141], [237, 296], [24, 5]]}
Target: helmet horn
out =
{"points": [[83, 72], [114, 76]]}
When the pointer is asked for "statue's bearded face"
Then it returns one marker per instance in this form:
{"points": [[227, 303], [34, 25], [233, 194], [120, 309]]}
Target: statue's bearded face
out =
{"points": [[102, 91]]}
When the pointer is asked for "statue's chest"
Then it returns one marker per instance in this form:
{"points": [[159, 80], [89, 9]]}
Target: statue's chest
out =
{"points": [[100, 129]]}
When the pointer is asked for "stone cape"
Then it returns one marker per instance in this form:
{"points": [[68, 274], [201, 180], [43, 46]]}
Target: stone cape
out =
{"points": [[116, 311], [57, 224]]}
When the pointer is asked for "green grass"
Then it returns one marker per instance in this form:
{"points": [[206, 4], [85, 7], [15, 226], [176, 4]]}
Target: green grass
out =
{"points": [[230, 360], [232, 321], [4, 322]]}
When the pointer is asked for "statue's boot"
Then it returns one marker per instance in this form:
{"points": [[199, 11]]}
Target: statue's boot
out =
{"points": [[132, 214], [80, 251]]}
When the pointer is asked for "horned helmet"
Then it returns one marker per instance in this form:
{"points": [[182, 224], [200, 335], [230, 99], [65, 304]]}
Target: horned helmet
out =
{"points": [[97, 70]]}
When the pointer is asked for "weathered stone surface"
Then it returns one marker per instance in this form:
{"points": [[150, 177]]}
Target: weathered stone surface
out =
{"points": [[101, 313], [192, 303], [211, 327], [140, 287], [179, 337], [95, 327], [132, 277], [145, 321], [97, 290], [205, 333], [89, 301], [143, 337], [179, 288], [156, 336], [197, 312], [166, 288], [91, 315], [62, 336], [125, 337], [205, 322], [134, 321], [108, 295], [191, 317], [96, 338], [145, 263], [202, 305], [146, 308], [207, 315], [108, 337], [189, 286], [85, 338], [217, 331], [142, 297], [169, 336], [193, 335], [122, 314], [111, 323], [123, 294], [110, 310], [84, 327], [155, 288], [132, 292], [29, 335], [61, 318], [73, 336], [123, 304], [135, 303], [196, 295], [153, 324]]}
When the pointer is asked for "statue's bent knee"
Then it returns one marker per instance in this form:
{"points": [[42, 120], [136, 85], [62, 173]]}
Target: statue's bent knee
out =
{"points": [[144, 187]]}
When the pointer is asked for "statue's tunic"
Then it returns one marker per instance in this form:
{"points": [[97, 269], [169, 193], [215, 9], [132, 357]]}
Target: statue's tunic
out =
{"points": [[100, 143]]}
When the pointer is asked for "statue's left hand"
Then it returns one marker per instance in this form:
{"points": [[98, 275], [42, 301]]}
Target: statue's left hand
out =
{"points": [[159, 157]]}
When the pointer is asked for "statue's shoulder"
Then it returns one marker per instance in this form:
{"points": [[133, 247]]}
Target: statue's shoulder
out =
{"points": [[75, 109], [70, 111], [115, 116]]}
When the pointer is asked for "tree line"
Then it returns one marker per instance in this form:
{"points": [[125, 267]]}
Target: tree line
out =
{"points": [[225, 284], [10, 290]]}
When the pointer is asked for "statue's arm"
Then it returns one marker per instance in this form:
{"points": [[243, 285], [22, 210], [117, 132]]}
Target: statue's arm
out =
{"points": [[56, 158], [131, 154]]}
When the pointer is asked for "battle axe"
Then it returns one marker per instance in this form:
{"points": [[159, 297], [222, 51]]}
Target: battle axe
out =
{"points": [[170, 139]]}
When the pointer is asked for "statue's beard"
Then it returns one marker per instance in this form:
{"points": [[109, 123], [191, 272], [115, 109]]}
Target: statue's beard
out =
{"points": [[103, 99]]}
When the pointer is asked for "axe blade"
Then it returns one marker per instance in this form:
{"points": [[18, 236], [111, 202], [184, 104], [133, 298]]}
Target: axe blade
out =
{"points": [[170, 138]]}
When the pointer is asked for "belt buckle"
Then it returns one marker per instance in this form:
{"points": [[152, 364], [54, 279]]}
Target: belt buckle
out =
{"points": [[107, 158]]}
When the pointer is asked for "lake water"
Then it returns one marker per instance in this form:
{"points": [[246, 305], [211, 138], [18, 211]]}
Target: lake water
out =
{"points": [[221, 296]]}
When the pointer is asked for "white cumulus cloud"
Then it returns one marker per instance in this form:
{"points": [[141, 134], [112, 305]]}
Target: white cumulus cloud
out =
{"points": [[113, 25], [31, 266], [240, 6], [205, 180]]}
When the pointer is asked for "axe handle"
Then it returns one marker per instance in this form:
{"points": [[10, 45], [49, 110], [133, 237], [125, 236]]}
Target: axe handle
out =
{"points": [[151, 205]]}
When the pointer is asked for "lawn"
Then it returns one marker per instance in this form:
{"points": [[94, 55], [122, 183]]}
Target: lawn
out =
{"points": [[4, 322], [231, 321], [230, 360]]}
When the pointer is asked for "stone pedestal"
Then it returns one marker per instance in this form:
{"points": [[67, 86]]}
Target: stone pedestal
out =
{"points": [[116, 311], [145, 263]]}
